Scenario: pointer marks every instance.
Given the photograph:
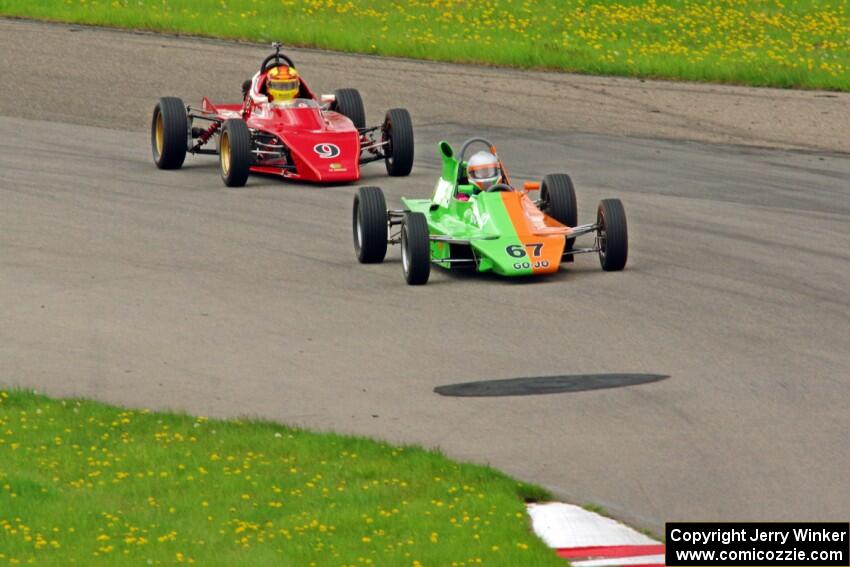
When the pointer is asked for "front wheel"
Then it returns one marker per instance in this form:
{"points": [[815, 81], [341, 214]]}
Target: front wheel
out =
{"points": [[612, 237], [169, 133], [234, 152], [415, 249], [370, 225], [397, 135]]}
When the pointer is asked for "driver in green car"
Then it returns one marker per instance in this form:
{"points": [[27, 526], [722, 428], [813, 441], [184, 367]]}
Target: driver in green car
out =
{"points": [[483, 171]]}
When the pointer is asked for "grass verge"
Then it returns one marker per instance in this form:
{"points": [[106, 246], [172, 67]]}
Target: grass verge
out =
{"points": [[800, 43], [83, 483]]}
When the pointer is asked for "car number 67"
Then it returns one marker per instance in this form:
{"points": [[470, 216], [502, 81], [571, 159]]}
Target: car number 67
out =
{"points": [[518, 250]]}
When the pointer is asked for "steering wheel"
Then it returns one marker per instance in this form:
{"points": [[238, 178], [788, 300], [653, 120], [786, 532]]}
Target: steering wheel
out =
{"points": [[471, 141], [274, 60], [499, 188]]}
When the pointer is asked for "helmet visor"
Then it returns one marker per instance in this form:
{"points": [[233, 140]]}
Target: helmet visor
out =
{"points": [[484, 172], [288, 85]]}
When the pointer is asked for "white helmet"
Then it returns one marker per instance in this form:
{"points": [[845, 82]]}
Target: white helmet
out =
{"points": [[483, 170]]}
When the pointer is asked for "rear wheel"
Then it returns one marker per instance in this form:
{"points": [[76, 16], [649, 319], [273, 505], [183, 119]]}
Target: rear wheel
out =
{"points": [[370, 225], [349, 103], [169, 133], [558, 198], [234, 152], [612, 236], [415, 249], [398, 135]]}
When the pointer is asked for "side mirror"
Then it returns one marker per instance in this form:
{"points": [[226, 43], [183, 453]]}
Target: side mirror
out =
{"points": [[531, 186], [327, 98]]}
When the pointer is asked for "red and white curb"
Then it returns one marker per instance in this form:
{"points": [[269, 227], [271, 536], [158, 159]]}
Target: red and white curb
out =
{"points": [[587, 539]]}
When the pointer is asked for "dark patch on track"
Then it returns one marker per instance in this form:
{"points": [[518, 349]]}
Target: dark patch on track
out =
{"points": [[540, 385]]}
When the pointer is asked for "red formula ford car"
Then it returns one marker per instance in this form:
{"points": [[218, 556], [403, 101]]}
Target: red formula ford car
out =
{"points": [[282, 128]]}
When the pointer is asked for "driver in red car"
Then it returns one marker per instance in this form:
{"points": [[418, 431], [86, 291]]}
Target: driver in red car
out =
{"points": [[282, 85], [483, 171]]}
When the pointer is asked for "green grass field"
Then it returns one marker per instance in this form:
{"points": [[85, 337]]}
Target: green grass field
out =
{"points": [[784, 43], [83, 483]]}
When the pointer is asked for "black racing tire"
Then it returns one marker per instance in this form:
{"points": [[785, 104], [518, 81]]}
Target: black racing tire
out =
{"points": [[369, 224], [612, 235], [169, 133], [349, 103], [558, 196], [415, 249], [397, 132], [234, 152]]}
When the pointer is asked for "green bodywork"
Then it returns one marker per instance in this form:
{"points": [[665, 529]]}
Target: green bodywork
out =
{"points": [[482, 223]]}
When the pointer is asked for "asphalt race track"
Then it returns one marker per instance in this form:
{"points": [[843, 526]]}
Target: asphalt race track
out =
{"points": [[167, 290]]}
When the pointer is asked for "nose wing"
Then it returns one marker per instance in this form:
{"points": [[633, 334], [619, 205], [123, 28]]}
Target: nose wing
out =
{"points": [[325, 155], [522, 248]]}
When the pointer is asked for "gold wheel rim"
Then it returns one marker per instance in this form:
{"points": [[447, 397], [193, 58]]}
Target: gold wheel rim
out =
{"points": [[224, 153], [160, 134]]}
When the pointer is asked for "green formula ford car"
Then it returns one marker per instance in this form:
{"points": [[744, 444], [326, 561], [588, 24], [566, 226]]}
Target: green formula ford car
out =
{"points": [[477, 219]]}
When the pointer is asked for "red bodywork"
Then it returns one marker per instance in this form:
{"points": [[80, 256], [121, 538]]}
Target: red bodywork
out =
{"points": [[312, 136]]}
